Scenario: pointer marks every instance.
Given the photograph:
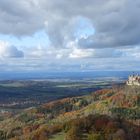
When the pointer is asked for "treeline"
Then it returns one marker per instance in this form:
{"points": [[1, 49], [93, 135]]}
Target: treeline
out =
{"points": [[99, 127], [92, 127], [127, 113]]}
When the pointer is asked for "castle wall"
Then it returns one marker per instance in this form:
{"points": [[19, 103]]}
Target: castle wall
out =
{"points": [[133, 80]]}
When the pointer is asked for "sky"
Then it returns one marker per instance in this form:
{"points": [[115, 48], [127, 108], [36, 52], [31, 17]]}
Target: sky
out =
{"points": [[69, 35]]}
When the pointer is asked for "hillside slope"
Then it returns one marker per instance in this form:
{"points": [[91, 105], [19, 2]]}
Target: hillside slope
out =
{"points": [[108, 113]]}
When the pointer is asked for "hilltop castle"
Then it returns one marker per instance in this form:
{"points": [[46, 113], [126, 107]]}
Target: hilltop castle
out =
{"points": [[133, 80]]}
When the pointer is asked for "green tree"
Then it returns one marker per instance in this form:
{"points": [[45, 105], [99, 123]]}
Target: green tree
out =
{"points": [[2, 135], [73, 134]]}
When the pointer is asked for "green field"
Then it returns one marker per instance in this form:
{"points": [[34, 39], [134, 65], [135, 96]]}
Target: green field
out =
{"points": [[59, 136]]}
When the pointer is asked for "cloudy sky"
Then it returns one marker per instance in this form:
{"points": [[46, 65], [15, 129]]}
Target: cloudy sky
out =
{"points": [[69, 35]]}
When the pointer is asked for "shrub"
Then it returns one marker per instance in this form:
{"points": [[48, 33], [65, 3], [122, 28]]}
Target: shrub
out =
{"points": [[2, 135], [95, 136]]}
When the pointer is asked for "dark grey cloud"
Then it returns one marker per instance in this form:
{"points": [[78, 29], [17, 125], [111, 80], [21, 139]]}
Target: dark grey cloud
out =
{"points": [[120, 27], [20, 17], [116, 23]]}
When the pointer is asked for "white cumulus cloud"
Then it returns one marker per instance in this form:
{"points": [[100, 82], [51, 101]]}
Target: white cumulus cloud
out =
{"points": [[8, 51]]}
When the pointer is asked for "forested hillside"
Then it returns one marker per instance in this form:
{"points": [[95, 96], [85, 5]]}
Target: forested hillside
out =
{"points": [[108, 114]]}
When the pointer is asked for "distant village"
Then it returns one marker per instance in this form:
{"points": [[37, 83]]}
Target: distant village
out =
{"points": [[133, 80]]}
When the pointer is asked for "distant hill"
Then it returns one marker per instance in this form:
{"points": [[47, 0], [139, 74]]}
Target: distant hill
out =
{"points": [[107, 114], [64, 75]]}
